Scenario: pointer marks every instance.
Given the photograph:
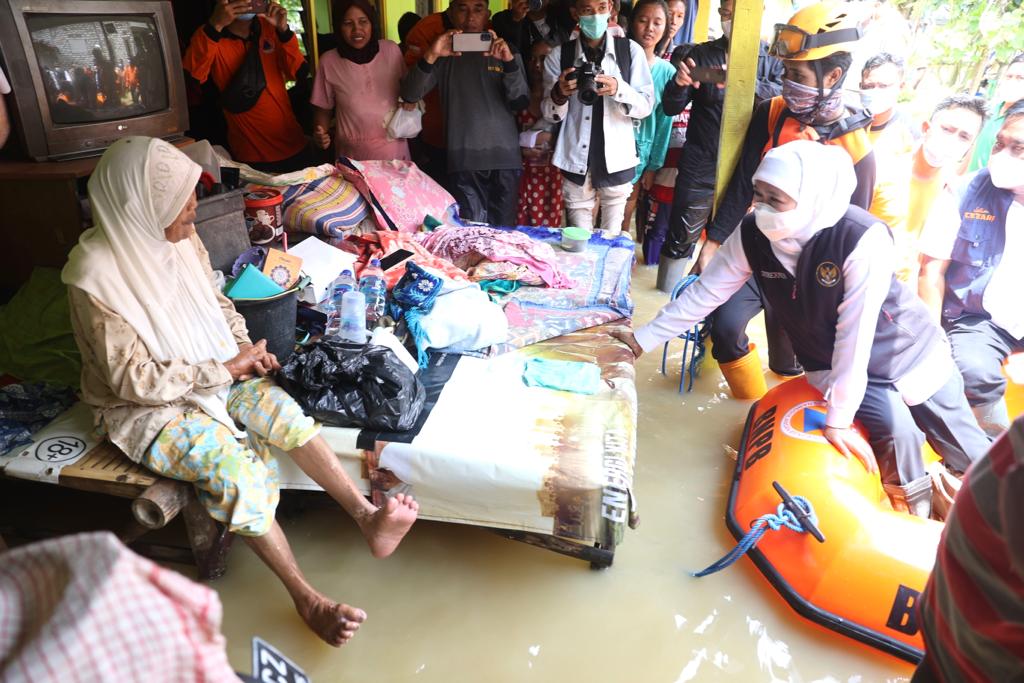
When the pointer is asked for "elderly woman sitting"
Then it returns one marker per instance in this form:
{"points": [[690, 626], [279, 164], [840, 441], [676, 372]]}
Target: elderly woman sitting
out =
{"points": [[173, 378]]}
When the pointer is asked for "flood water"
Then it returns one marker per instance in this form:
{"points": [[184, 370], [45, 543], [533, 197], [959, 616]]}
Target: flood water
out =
{"points": [[456, 603]]}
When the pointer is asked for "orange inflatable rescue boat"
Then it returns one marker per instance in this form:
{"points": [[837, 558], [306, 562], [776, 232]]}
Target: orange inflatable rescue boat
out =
{"points": [[866, 575]]}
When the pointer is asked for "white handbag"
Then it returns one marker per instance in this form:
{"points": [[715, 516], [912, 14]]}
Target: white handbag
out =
{"points": [[406, 123]]}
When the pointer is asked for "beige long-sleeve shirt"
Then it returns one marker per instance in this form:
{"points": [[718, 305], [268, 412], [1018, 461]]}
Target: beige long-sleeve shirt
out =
{"points": [[133, 395]]}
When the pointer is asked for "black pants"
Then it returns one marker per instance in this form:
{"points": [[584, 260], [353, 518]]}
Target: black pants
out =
{"points": [[979, 349], [729, 330], [431, 160], [691, 208], [487, 196]]}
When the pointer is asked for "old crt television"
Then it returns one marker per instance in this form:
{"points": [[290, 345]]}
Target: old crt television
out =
{"points": [[85, 73]]}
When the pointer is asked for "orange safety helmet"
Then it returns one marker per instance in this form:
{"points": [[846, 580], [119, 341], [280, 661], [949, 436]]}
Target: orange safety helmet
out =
{"points": [[815, 32]]}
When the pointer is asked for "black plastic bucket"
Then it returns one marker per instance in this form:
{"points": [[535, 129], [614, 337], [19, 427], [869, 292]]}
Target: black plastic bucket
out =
{"points": [[272, 319]]}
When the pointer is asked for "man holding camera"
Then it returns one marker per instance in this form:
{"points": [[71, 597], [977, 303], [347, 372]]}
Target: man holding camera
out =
{"points": [[482, 83], [597, 85], [262, 128]]}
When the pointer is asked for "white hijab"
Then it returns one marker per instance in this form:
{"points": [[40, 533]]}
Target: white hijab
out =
{"points": [[160, 288], [820, 178]]}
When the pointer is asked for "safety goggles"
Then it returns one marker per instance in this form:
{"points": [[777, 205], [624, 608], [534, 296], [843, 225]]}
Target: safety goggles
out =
{"points": [[792, 42]]}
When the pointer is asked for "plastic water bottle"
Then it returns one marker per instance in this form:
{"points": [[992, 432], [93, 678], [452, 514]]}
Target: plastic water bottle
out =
{"points": [[345, 282], [353, 317], [375, 289]]}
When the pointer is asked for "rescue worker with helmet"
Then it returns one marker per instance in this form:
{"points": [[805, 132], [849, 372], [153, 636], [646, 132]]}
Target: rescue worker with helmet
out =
{"points": [[866, 340], [814, 46]]}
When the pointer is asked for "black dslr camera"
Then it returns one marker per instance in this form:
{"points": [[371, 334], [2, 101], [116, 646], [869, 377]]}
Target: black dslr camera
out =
{"points": [[585, 74]]}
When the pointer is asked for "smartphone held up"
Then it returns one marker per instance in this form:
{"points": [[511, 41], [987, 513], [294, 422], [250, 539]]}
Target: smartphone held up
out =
{"points": [[472, 42]]}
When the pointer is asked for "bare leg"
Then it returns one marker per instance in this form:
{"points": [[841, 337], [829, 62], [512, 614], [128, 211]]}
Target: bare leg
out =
{"points": [[383, 527], [334, 622]]}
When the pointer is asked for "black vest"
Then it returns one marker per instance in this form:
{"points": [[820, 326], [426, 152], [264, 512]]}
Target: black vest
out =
{"points": [[807, 305]]}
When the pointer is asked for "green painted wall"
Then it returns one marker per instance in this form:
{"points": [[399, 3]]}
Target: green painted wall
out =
{"points": [[393, 11]]}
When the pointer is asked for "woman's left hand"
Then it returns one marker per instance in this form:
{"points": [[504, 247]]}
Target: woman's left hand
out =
{"points": [[278, 16], [851, 444], [500, 49]]}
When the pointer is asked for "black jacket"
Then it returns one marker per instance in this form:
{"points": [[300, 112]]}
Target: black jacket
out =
{"points": [[523, 34], [699, 158]]}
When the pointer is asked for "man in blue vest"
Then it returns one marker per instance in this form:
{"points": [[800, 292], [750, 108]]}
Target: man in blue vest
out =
{"points": [[866, 342], [972, 271]]}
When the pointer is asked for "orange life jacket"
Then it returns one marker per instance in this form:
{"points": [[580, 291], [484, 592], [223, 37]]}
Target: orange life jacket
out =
{"points": [[850, 133]]}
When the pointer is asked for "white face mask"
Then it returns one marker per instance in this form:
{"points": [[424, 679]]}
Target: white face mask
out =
{"points": [[1007, 172], [941, 149], [879, 100], [777, 225], [727, 28]]}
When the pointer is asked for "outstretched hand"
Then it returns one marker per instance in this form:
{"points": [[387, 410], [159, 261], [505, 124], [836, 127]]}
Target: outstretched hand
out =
{"points": [[627, 338], [441, 47], [851, 444]]}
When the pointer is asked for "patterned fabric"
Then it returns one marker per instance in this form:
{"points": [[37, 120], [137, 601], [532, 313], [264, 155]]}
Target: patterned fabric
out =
{"points": [[236, 483], [330, 207], [85, 608], [412, 298], [380, 244], [27, 408], [540, 186], [401, 195], [602, 274], [467, 246], [972, 610]]}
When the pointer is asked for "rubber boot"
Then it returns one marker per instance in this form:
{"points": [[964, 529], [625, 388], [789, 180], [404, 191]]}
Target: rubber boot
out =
{"points": [[914, 498], [945, 486], [745, 376], [993, 418], [670, 272]]}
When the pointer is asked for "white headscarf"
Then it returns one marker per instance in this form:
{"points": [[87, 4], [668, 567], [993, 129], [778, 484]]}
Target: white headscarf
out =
{"points": [[820, 178], [160, 288]]}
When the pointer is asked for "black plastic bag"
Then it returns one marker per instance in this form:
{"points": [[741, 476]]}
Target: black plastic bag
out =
{"points": [[353, 386]]}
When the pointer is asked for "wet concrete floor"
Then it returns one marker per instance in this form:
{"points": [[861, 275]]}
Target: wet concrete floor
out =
{"points": [[460, 604]]}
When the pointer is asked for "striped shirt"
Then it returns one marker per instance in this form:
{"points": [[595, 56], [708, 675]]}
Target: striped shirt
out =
{"points": [[972, 611]]}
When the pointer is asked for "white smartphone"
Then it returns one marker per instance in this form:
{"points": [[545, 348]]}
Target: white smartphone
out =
{"points": [[471, 42]]}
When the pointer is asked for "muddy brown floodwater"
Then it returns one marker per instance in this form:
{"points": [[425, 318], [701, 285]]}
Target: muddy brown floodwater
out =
{"points": [[460, 604]]}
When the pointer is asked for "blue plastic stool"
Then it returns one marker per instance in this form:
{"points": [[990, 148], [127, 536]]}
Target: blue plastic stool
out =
{"points": [[694, 336]]}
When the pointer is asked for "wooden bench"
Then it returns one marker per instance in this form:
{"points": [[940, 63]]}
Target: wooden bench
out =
{"points": [[156, 501]]}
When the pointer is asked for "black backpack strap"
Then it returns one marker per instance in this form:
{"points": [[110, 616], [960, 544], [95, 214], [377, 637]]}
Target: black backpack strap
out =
{"points": [[623, 57], [783, 115]]}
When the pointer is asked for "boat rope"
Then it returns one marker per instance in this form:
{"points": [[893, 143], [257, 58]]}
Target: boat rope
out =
{"points": [[783, 517]]}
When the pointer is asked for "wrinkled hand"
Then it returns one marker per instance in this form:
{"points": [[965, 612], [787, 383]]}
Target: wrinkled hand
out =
{"points": [[565, 87], [321, 137], [499, 49], [442, 47], [704, 257], [252, 360], [627, 338], [226, 11], [607, 85], [647, 181], [278, 16], [850, 443]]}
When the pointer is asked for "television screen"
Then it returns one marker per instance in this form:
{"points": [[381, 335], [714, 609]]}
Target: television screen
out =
{"points": [[99, 68]]}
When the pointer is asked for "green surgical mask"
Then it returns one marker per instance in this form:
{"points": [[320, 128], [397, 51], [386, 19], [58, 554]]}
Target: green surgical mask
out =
{"points": [[593, 26]]}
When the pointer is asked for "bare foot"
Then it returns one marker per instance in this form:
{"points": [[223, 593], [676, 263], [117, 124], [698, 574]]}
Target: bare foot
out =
{"points": [[386, 527], [334, 622]]}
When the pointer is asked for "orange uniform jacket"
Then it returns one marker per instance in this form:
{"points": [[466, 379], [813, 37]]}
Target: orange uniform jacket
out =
{"points": [[269, 131]]}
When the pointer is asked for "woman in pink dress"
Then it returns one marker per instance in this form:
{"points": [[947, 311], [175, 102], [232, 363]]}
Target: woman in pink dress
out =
{"points": [[358, 83]]}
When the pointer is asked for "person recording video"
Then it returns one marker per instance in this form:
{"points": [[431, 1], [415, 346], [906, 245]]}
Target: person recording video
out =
{"points": [[482, 83], [597, 85], [262, 129]]}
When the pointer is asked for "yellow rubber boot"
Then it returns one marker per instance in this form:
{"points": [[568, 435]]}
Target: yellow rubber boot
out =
{"points": [[745, 377]]}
